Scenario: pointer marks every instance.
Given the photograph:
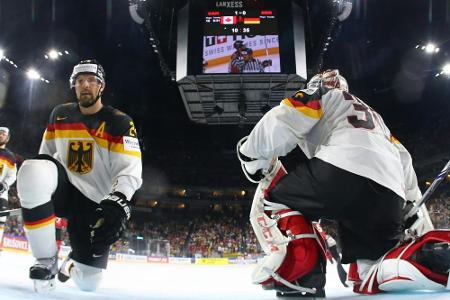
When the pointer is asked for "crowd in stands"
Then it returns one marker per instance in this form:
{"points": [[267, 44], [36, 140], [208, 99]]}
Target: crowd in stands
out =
{"points": [[439, 209], [213, 233], [223, 232]]}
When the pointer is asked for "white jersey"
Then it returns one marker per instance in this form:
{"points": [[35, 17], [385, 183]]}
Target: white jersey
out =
{"points": [[100, 152], [8, 170], [339, 129]]}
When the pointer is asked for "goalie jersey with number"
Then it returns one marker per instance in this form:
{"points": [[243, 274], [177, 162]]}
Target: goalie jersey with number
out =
{"points": [[100, 152], [337, 128]]}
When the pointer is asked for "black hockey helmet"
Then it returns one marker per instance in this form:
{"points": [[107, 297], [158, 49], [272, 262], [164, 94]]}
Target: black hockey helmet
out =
{"points": [[238, 44], [247, 51], [90, 66]]}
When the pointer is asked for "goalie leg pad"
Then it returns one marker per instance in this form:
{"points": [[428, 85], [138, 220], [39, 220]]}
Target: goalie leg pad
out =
{"points": [[292, 245], [292, 249], [411, 266]]}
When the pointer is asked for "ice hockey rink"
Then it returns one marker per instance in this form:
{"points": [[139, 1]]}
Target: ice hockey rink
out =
{"points": [[164, 281]]}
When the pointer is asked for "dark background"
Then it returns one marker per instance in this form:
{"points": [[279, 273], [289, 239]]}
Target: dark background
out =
{"points": [[374, 49]]}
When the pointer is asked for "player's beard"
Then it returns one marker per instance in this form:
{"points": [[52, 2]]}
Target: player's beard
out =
{"points": [[2, 143], [87, 99]]}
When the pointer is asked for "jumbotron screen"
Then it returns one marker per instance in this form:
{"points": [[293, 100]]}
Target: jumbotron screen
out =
{"points": [[241, 41]]}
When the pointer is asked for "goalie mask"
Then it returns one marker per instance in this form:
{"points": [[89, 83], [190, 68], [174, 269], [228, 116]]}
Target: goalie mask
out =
{"points": [[90, 66], [330, 79]]}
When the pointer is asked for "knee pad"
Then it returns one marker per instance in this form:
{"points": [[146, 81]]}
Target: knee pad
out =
{"points": [[37, 180], [87, 278]]}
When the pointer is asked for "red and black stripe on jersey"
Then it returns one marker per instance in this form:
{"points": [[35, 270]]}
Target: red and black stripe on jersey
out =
{"points": [[307, 104], [68, 116], [8, 158]]}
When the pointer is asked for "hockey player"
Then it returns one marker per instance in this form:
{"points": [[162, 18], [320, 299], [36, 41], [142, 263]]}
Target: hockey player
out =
{"points": [[8, 172], [357, 174], [253, 65], [88, 168], [246, 63], [237, 60]]}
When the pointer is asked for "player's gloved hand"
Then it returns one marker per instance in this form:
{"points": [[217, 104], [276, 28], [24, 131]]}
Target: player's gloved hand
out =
{"points": [[109, 221], [3, 186], [267, 62], [255, 169], [254, 166]]}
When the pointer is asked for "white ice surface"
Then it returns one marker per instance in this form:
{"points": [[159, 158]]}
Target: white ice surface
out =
{"points": [[136, 281]]}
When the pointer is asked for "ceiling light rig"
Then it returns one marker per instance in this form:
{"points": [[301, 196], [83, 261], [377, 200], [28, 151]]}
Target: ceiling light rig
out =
{"points": [[31, 73], [54, 54], [445, 70], [429, 48], [3, 57], [432, 48]]}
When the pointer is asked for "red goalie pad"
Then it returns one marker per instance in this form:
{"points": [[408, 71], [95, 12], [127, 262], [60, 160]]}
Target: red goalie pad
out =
{"points": [[303, 253], [421, 264]]}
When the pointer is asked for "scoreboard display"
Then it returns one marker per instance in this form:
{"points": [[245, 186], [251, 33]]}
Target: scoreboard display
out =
{"points": [[244, 21], [241, 36], [241, 41]]}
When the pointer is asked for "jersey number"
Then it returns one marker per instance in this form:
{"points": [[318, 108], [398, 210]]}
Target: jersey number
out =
{"points": [[366, 123]]}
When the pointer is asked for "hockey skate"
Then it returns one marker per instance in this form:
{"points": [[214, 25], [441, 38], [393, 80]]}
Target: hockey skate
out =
{"points": [[43, 274], [64, 271], [315, 280]]}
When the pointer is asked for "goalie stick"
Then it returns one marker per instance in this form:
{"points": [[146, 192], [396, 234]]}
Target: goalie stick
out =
{"points": [[429, 191]]}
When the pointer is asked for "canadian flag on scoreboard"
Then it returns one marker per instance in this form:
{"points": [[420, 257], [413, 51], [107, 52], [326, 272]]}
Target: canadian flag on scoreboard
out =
{"points": [[227, 20]]}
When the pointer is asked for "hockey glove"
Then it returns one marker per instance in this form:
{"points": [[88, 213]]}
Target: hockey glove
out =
{"points": [[109, 221], [254, 168], [3, 187]]}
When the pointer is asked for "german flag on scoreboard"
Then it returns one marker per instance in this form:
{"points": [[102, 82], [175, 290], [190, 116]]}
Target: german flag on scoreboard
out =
{"points": [[252, 21]]}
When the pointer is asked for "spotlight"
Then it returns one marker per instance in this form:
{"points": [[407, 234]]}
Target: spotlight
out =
{"points": [[446, 69], [2, 54], [33, 74], [430, 48], [53, 54]]}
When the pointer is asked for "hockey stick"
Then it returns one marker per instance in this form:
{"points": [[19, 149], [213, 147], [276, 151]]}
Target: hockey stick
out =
{"points": [[429, 191], [10, 212]]}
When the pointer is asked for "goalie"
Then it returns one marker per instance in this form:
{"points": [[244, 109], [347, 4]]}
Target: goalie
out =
{"points": [[357, 174]]}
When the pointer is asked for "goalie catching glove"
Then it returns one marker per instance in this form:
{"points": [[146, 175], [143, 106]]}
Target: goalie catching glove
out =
{"points": [[254, 169], [109, 221]]}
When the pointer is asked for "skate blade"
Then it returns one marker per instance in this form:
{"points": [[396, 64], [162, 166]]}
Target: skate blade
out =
{"points": [[44, 286]]}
